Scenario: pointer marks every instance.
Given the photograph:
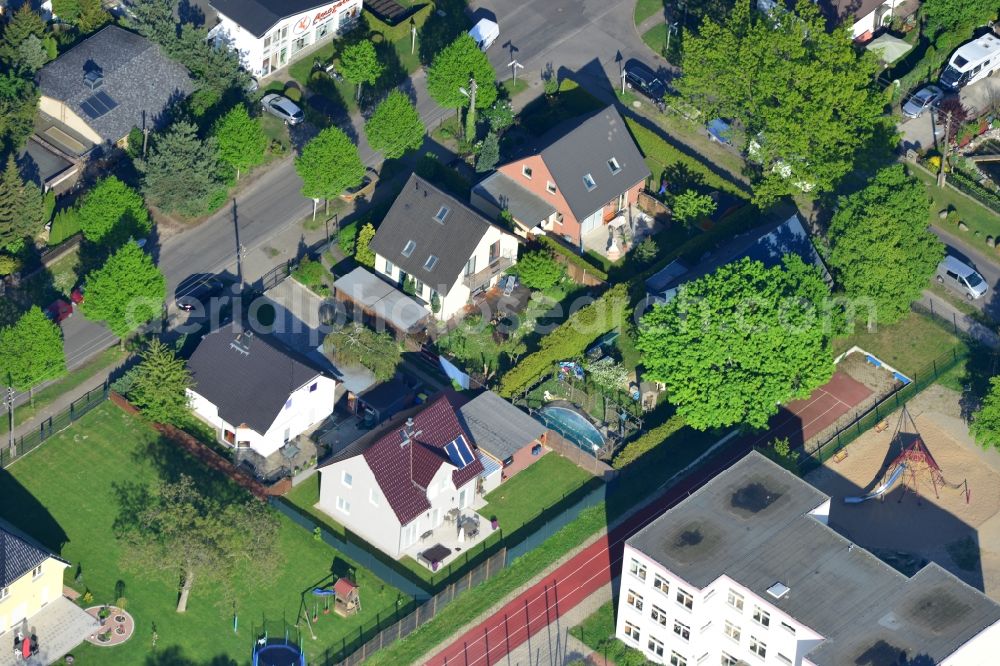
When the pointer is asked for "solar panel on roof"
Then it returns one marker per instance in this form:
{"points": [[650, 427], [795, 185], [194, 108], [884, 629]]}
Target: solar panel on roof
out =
{"points": [[90, 110], [97, 105], [106, 100], [459, 452]]}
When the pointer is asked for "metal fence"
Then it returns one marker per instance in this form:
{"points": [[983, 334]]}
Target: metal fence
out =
{"points": [[274, 277], [27, 443]]}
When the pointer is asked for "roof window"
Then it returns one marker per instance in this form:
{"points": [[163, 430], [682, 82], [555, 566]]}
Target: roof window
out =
{"points": [[589, 182], [410, 247], [526, 171], [778, 590], [614, 166], [442, 213], [430, 263]]}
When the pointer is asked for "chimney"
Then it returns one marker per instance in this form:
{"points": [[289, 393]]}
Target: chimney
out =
{"points": [[93, 79]]}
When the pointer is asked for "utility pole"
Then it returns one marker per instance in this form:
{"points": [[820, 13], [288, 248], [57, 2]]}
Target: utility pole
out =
{"points": [[946, 147], [240, 248], [9, 404], [413, 36], [470, 117]]}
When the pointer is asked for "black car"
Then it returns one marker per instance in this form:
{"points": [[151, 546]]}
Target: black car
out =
{"points": [[197, 290], [640, 77]]}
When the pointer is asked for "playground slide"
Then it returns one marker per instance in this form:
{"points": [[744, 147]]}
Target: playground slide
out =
{"points": [[881, 490]]}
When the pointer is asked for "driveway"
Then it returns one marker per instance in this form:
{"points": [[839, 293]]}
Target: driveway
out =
{"points": [[976, 99]]}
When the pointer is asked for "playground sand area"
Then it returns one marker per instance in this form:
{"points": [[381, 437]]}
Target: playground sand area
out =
{"points": [[908, 530]]}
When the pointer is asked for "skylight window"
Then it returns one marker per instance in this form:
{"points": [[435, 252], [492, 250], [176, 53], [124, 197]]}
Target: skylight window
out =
{"points": [[410, 247], [442, 213], [589, 182], [430, 263], [614, 166], [526, 171]]}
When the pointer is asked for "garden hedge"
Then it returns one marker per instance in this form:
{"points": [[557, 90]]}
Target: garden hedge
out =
{"points": [[647, 441], [569, 339], [572, 257]]}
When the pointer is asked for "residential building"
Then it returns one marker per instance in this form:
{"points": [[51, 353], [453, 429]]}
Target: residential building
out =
{"points": [[440, 249], [747, 571], [573, 184], [509, 437], [270, 34], [31, 600], [382, 305], [399, 484], [255, 392], [100, 89], [865, 17]]}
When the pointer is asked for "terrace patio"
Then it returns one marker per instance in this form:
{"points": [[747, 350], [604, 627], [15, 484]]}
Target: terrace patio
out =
{"points": [[626, 230], [447, 542]]}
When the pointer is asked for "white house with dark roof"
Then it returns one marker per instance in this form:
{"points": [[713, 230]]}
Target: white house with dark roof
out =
{"points": [[271, 34], [449, 251], [104, 86], [746, 571], [255, 392], [863, 17]]}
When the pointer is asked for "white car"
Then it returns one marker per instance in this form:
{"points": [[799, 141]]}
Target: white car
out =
{"points": [[920, 101], [283, 108]]}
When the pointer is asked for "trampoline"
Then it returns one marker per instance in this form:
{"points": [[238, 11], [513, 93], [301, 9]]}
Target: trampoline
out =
{"points": [[277, 652]]}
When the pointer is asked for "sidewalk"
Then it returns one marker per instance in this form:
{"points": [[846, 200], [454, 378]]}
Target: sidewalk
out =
{"points": [[942, 309]]}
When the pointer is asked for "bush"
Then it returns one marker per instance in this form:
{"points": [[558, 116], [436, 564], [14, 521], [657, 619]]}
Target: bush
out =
{"points": [[539, 270], [9, 264], [647, 441], [310, 273], [965, 184], [293, 94], [347, 238], [65, 224], [572, 257]]}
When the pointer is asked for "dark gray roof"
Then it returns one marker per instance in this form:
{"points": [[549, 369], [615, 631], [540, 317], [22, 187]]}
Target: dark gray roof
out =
{"points": [[248, 377], [524, 206], [258, 16], [498, 427], [137, 76], [19, 553], [587, 150], [752, 523], [412, 218]]}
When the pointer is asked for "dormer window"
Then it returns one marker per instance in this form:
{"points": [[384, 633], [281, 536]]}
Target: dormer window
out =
{"points": [[526, 171], [410, 247], [589, 182], [550, 187], [442, 213], [614, 166], [430, 263]]}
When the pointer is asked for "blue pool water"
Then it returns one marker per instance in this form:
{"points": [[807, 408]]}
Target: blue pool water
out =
{"points": [[573, 426]]}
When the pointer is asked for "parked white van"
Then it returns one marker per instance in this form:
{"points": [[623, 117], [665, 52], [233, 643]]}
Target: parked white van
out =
{"points": [[972, 62], [960, 276], [485, 33]]}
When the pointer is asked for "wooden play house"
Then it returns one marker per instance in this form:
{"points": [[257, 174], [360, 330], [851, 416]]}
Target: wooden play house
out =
{"points": [[347, 600]]}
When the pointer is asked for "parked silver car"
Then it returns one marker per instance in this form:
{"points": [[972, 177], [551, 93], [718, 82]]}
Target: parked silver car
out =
{"points": [[283, 108], [920, 101]]}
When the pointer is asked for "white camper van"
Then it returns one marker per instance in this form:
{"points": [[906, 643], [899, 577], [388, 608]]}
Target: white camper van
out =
{"points": [[972, 61], [485, 33]]}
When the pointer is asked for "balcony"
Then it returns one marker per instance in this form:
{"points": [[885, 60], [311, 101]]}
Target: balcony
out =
{"points": [[482, 279]]}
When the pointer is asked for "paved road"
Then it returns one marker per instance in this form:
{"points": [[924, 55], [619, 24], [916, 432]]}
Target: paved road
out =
{"points": [[987, 266]]}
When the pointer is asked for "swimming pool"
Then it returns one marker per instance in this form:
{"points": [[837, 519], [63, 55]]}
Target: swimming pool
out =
{"points": [[573, 426]]}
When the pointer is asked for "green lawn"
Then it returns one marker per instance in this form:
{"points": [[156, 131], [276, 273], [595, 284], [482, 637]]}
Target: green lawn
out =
{"points": [[63, 494], [533, 490], [597, 632], [275, 129], [514, 88], [646, 8], [656, 38], [908, 345], [545, 112], [978, 218]]}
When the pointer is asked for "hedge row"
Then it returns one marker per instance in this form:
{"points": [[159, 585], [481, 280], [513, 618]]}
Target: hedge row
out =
{"points": [[646, 442], [394, 33], [572, 257], [569, 339], [657, 149], [964, 183]]}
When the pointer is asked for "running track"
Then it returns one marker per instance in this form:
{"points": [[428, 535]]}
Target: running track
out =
{"points": [[595, 566]]}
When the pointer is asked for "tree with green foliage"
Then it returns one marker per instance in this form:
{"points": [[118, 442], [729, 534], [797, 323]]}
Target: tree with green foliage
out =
{"points": [[31, 55], [126, 292], [181, 170], [359, 64], [241, 139], [500, 117], [646, 250], [489, 153], [91, 16], [735, 344], [216, 69], [21, 208], [66, 10], [395, 127], [688, 207], [18, 104], [329, 164], [354, 344], [608, 374], [181, 532], [959, 16], [23, 23], [112, 212], [362, 252], [154, 20], [32, 351], [882, 251], [805, 97], [160, 385], [451, 72], [9, 264], [539, 269], [985, 426]]}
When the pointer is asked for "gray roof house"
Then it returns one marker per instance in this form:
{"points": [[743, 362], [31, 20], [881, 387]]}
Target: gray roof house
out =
{"points": [[572, 181], [107, 84], [448, 251], [759, 534], [502, 431]]}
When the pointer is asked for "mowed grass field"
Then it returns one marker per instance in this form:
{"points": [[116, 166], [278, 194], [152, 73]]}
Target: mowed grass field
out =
{"points": [[63, 494]]}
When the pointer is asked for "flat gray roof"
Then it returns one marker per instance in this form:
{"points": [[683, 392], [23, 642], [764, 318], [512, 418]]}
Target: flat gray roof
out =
{"points": [[752, 523], [505, 194], [498, 427], [384, 300]]}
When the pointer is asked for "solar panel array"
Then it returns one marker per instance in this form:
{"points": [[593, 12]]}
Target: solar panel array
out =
{"points": [[97, 105], [459, 452]]}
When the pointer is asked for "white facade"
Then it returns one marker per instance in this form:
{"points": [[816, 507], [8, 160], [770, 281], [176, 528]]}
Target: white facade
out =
{"points": [[495, 246], [305, 407], [350, 494], [861, 26], [288, 39]]}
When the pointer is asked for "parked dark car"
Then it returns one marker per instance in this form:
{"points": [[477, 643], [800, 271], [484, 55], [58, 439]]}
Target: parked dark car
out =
{"points": [[197, 290], [59, 310], [640, 77]]}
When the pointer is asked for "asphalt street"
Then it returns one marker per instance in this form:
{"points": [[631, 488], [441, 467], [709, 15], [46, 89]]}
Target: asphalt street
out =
{"points": [[986, 265]]}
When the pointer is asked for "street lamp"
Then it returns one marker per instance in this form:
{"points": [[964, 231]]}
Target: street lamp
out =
{"points": [[514, 65], [8, 402]]}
